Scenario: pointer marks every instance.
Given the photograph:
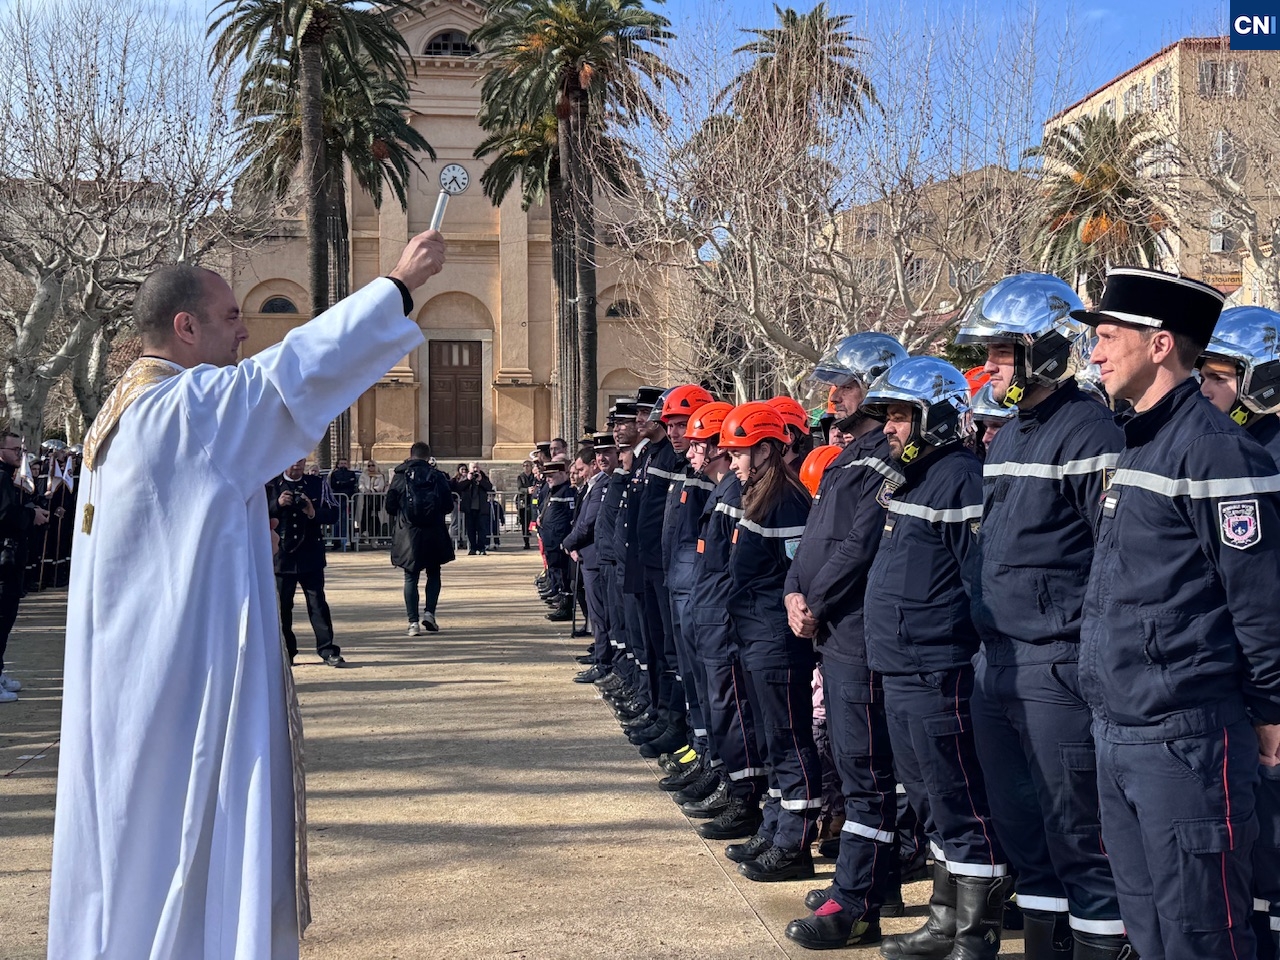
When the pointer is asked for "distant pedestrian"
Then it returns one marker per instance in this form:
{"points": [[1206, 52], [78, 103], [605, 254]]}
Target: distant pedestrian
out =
{"points": [[473, 494], [420, 502]]}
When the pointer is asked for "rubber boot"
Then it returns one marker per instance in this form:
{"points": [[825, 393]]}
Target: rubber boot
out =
{"points": [[1096, 946], [1046, 935], [979, 912], [934, 940]]}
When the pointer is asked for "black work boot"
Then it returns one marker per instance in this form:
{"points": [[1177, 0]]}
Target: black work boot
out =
{"points": [[779, 863], [563, 611], [704, 786], [933, 941], [742, 852], [673, 782], [1097, 946], [709, 806], [644, 732], [979, 912], [1046, 935], [816, 898], [675, 736], [741, 818], [832, 927]]}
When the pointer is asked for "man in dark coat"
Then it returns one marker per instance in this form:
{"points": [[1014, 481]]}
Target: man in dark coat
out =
{"points": [[297, 501], [18, 515], [473, 491], [420, 501], [345, 483]]}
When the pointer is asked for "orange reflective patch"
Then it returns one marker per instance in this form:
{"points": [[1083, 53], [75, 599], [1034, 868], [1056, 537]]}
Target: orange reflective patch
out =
{"points": [[702, 546], [735, 535], [684, 496]]}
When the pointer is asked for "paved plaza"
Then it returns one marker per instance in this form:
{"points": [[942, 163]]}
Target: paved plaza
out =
{"points": [[466, 801]]}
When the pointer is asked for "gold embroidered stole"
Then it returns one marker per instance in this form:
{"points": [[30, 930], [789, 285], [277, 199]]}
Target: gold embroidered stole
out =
{"points": [[143, 374]]}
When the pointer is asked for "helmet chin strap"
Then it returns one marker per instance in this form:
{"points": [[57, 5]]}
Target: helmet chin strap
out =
{"points": [[1017, 388], [1241, 414]]}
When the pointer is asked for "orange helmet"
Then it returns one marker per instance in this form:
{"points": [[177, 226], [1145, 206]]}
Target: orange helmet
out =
{"points": [[752, 423], [977, 378], [705, 423], [682, 401], [815, 464], [793, 415]]}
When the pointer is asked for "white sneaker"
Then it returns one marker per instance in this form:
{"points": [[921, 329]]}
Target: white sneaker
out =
{"points": [[414, 630], [7, 696], [429, 623], [9, 683]]}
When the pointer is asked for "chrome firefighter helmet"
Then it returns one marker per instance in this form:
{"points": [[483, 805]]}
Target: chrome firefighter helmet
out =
{"points": [[1249, 337], [938, 392], [986, 407], [1031, 311], [859, 357]]}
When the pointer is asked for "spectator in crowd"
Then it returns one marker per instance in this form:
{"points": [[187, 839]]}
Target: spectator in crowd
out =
{"points": [[473, 496], [420, 502], [373, 483], [527, 488], [18, 515], [345, 483]]}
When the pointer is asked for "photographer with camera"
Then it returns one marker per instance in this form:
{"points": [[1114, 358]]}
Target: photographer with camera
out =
{"points": [[473, 491], [297, 500]]}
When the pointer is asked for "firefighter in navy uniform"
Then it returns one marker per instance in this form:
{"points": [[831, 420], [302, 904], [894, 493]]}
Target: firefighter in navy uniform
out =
{"points": [[581, 541], [553, 526], [1178, 655], [1042, 489], [778, 664], [921, 639], [649, 722], [1240, 374], [824, 594]]}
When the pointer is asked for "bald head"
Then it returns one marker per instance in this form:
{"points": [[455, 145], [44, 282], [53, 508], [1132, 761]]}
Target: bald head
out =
{"points": [[167, 292]]}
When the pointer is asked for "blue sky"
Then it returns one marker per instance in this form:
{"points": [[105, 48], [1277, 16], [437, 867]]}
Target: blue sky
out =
{"points": [[1113, 35]]}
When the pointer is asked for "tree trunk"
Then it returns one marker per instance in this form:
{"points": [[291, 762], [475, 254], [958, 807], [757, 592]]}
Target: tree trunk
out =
{"points": [[337, 442], [562, 271], [89, 376], [582, 199], [311, 85]]}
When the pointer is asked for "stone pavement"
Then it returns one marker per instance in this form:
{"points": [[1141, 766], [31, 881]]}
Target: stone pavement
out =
{"points": [[465, 799]]}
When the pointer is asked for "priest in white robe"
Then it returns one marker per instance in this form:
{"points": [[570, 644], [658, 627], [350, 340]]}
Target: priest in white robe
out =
{"points": [[174, 836]]}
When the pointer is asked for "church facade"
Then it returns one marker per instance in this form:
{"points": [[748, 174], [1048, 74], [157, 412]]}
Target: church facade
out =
{"points": [[483, 385]]}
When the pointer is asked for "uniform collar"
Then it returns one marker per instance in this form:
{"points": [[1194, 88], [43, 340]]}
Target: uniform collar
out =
{"points": [[915, 470], [1140, 428], [1050, 405], [1265, 429]]}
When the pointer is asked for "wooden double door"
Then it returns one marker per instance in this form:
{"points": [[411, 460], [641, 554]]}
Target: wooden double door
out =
{"points": [[455, 392]]}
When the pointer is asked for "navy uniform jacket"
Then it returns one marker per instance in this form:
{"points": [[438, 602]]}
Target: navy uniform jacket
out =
{"points": [[917, 606], [557, 518], [582, 537], [670, 507], [607, 520], [661, 467], [720, 516], [758, 565], [301, 539], [633, 569], [840, 541], [1042, 490], [1182, 607], [1266, 430]]}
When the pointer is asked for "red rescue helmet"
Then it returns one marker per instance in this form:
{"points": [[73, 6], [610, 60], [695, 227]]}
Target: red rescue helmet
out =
{"points": [[705, 423], [752, 423], [793, 414], [977, 378], [682, 401], [815, 465]]}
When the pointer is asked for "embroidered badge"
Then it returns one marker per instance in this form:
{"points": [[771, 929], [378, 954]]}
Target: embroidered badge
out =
{"points": [[975, 526], [1108, 474], [886, 493], [1240, 527], [792, 545]]}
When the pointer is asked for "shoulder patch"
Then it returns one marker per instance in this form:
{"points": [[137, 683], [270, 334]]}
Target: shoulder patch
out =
{"points": [[975, 527], [1108, 474], [792, 546], [1240, 526], [886, 493]]}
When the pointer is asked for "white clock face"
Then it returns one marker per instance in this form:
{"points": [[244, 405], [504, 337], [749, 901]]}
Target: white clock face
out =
{"points": [[454, 178]]}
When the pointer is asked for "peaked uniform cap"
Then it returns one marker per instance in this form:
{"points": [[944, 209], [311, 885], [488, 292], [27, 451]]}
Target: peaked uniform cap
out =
{"points": [[1161, 301]]}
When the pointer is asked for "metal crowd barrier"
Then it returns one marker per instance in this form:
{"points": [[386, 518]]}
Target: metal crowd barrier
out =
{"points": [[364, 524]]}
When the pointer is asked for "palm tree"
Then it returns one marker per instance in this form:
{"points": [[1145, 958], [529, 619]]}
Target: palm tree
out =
{"points": [[588, 63], [307, 33], [805, 66], [1100, 198]]}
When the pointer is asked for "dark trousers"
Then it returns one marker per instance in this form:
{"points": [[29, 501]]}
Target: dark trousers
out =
{"points": [[620, 657], [1266, 865], [1179, 825], [731, 723], [1034, 739], [477, 529], [659, 641], [596, 590], [10, 596], [633, 611], [867, 869], [317, 610], [931, 732], [690, 671], [432, 597]]}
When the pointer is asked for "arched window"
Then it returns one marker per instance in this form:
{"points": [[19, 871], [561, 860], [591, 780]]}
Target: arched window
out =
{"points": [[278, 305], [624, 309], [450, 43]]}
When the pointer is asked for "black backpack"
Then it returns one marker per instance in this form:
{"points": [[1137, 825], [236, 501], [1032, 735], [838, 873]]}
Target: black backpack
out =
{"points": [[421, 505]]}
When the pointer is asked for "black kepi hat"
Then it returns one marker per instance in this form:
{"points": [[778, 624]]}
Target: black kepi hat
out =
{"points": [[623, 409], [543, 447], [556, 464], [648, 396], [603, 440], [1160, 301]]}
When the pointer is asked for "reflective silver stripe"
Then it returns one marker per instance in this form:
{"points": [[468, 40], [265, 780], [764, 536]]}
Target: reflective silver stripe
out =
{"points": [[871, 833], [664, 474], [1275, 923], [1048, 904], [1051, 471], [900, 790], [644, 667], [937, 852], [701, 733], [700, 484], [879, 466], [978, 869], [777, 533], [802, 804], [1260, 906], [717, 763], [561, 500], [1103, 928], [775, 792], [747, 772], [958, 515], [1196, 489], [735, 512]]}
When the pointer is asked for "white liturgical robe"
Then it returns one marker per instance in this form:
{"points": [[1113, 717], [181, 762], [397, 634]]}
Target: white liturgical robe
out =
{"points": [[174, 830]]}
